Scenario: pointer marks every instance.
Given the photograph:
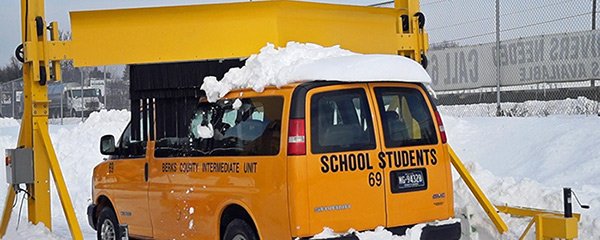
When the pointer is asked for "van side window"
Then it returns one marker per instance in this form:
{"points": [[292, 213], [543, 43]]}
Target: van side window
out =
{"points": [[129, 147], [406, 118], [341, 121], [219, 129]]}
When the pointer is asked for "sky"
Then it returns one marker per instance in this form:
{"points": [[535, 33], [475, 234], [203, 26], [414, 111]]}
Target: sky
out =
{"points": [[462, 21]]}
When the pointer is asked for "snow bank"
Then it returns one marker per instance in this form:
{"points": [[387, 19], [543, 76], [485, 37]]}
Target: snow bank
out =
{"points": [[76, 146], [555, 150], [526, 162], [298, 62], [579, 106]]}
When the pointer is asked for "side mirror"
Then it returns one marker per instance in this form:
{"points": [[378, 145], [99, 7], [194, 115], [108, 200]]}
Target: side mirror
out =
{"points": [[107, 145]]}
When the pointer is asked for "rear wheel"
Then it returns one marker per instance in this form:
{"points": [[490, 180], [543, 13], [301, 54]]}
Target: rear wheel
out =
{"points": [[239, 230], [108, 225]]}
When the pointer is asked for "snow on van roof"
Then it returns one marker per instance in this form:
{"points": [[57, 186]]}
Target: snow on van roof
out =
{"points": [[299, 62]]}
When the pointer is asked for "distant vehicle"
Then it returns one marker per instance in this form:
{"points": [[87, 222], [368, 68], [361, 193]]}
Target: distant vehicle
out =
{"points": [[69, 96]]}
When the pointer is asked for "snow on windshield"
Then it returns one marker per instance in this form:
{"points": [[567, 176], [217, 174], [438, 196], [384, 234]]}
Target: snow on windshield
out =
{"points": [[275, 66]]}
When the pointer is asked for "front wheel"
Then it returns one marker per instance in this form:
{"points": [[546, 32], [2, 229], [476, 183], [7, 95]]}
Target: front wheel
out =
{"points": [[239, 230], [108, 225]]}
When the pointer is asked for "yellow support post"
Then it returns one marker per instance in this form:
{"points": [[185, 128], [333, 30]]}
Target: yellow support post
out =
{"points": [[34, 130], [413, 43], [54, 36], [477, 192], [41, 129], [39, 203]]}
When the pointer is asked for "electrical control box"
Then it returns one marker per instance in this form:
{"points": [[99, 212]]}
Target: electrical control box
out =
{"points": [[19, 165]]}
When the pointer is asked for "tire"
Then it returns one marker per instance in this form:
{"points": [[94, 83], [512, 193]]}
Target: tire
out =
{"points": [[108, 225], [239, 230]]}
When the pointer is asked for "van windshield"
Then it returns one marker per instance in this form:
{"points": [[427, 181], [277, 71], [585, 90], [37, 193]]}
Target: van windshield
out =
{"points": [[406, 117], [244, 127]]}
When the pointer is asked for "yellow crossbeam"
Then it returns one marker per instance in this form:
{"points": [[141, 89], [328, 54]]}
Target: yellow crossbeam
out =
{"points": [[531, 212], [549, 224], [221, 31]]}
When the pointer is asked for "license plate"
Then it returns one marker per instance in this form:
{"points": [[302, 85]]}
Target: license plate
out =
{"points": [[408, 180]]}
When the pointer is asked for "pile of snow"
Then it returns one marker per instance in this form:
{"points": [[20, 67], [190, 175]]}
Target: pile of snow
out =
{"points": [[299, 62], [77, 149], [554, 150], [526, 162], [579, 106]]}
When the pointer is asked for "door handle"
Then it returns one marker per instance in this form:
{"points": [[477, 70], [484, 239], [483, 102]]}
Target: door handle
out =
{"points": [[146, 172]]}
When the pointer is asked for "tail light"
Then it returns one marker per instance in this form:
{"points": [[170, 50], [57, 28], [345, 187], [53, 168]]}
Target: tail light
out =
{"points": [[7, 160], [441, 127], [296, 137]]}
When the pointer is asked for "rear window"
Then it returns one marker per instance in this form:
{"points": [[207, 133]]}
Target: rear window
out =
{"points": [[406, 118], [341, 121], [250, 127]]}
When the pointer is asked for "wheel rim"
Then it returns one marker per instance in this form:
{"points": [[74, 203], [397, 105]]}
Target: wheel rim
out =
{"points": [[239, 237], [108, 231]]}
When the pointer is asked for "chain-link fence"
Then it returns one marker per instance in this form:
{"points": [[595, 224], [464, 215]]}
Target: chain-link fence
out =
{"points": [[65, 98], [545, 54], [10, 98]]}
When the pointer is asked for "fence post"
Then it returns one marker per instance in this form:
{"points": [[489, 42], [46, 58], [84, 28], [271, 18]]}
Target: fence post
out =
{"points": [[82, 100], [104, 90], [593, 14], [498, 64], [14, 98], [62, 96]]}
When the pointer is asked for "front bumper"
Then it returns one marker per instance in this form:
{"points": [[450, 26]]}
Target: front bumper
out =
{"points": [[430, 232], [91, 215], [450, 231]]}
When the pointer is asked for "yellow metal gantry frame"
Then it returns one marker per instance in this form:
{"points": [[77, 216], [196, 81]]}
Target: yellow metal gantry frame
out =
{"points": [[185, 33], [235, 30]]}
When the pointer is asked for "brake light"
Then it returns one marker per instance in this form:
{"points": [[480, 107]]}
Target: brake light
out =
{"points": [[7, 160], [296, 137], [441, 127]]}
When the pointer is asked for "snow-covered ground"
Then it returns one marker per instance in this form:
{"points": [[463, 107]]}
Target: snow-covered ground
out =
{"points": [[517, 161], [76, 146]]}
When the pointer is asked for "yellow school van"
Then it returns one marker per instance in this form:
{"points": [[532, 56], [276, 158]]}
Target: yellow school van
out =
{"points": [[284, 163]]}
